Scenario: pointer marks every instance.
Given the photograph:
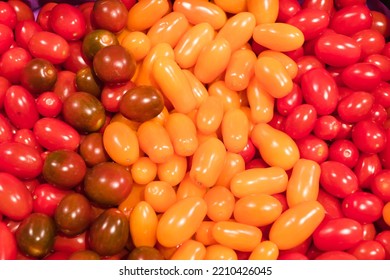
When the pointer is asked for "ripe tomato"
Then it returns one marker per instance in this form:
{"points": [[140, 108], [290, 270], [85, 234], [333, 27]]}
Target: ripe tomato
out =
{"points": [[12, 63], [368, 250], [8, 247], [380, 185], [369, 137], [344, 151], [24, 31], [50, 46], [8, 14], [301, 120], [370, 41], [314, 148], [46, 198], [312, 22], [355, 106], [362, 76], [6, 37], [327, 127], [351, 19], [367, 166]]}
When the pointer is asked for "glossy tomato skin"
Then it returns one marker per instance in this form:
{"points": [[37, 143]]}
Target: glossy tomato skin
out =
{"points": [[50, 46], [35, 235], [361, 76], [145, 253], [351, 19], [8, 15], [5, 129], [65, 84], [49, 104], [327, 127], [300, 122], [92, 149], [46, 198], [335, 255], [384, 238], [96, 40], [363, 207], [110, 15], [355, 106], [385, 154], [20, 107], [338, 179], [370, 41], [64, 169], [314, 148], [70, 244], [109, 233], [87, 81], [382, 62], [367, 166], [320, 90], [15, 198], [7, 38], [112, 94], [4, 85], [285, 104], [24, 30], [12, 63], [67, 21], [287, 9], [20, 160], [38, 75], [337, 234], [380, 185], [76, 59], [27, 137], [8, 247], [331, 204], [369, 137], [22, 9], [312, 22], [368, 250], [54, 134], [344, 151]]}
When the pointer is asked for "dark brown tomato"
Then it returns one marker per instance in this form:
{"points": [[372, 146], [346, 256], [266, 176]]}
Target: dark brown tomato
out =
{"points": [[92, 149], [114, 65], [141, 103], [84, 112], [73, 214], [110, 15], [64, 169], [107, 184], [87, 81], [109, 233], [84, 255], [39, 75], [35, 235], [145, 253], [96, 40]]}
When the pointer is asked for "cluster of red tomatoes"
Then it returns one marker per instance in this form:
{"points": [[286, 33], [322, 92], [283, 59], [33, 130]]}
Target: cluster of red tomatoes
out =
{"points": [[189, 129]]}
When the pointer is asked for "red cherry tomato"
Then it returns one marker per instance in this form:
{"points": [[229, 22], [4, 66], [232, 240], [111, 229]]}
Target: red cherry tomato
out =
{"points": [[6, 38], [355, 106], [344, 151], [382, 94], [367, 166], [382, 62], [305, 63], [369, 137], [368, 250], [312, 22], [301, 120], [337, 234], [327, 127], [385, 154], [49, 46], [331, 204], [323, 5], [70, 244], [351, 19], [320, 90], [8, 14], [287, 103], [49, 104], [46, 198], [314, 148], [8, 246], [287, 9], [362, 76], [370, 41], [384, 238], [24, 31], [6, 133], [380, 185], [76, 59], [12, 63]]}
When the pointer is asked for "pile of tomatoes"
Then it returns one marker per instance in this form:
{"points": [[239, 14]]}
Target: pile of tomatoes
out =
{"points": [[192, 129]]}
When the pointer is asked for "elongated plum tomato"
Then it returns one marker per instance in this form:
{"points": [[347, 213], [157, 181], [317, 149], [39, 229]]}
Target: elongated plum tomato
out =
{"points": [[301, 121], [49, 46], [8, 247], [369, 137]]}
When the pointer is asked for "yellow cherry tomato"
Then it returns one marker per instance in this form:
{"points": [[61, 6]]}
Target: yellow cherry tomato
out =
{"points": [[264, 180], [276, 147], [137, 43], [304, 182], [234, 163], [160, 195], [220, 203], [190, 250], [235, 130], [121, 143], [231, 6], [145, 76], [191, 43], [154, 141], [220, 252], [198, 11], [261, 103], [173, 170], [237, 236], [144, 14], [212, 60], [204, 235], [229, 98], [273, 76], [208, 162], [209, 115], [240, 69], [169, 29], [278, 36], [296, 224], [257, 209], [143, 170], [287, 62], [238, 29], [265, 11], [198, 89], [143, 225], [136, 195], [174, 84], [386, 213], [189, 188], [182, 132], [181, 221], [266, 250]]}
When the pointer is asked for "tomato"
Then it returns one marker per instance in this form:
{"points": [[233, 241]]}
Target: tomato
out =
{"points": [[35, 235], [84, 255], [313, 148], [16, 200], [355, 106], [363, 207], [22, 9], [383, 238], [20, 160], [173, 170], [320, 90], [335, 255], [65, 84], [361, 76], [20, 107], [5, 129], [367, 166], [370, 41], [380, 185], [368, 250], [369, 137], [87, 81], [54, 134], [338, 179], [385, 154], [337, 234], [6, 38], [96, 40], [382, 62], [111, 95], [326, 127], [143, 224], [70, 244], [73, 214], [287, 9], [344, 151], [38, 76], [300, 121], [92, 149], [109, 232], [337, 50], [8, 14], [46, 198], [49, 104], [76, 59], [287, 103], [351, 19], [331, 204], [8, 247], [49, 46], [107, 184], [67, 21]]}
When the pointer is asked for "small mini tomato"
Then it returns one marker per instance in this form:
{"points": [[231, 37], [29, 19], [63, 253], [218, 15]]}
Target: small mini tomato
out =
{"points": [[110, 15], [313, 148], [312, 22], [344, 151], [6, 38], [369, 137], [335, 255], [8, 15], [8, 246], [331, 204], [351, 19], [49, 104], [305, 63], [355, 106], [287, 103], [220, 203], [384, 238], [368, 250], [362, 76], [143, 170], [363, 207], [338, 179], [367, 166], [173, 170], [46, 198], [6, 133], [143, 224], [382, 62], [370, 41], [301, 121], [380, 185], [326, 127], [12, 63], [382, 94], [49, 46]]}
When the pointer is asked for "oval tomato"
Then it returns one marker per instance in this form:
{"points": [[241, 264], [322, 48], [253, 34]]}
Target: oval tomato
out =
{"points": [[46, 198], [362, 76], [351, 19], [49, 46], [312, 22], [301, 120], [363, 207], [369, 137], [8, 247]]}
